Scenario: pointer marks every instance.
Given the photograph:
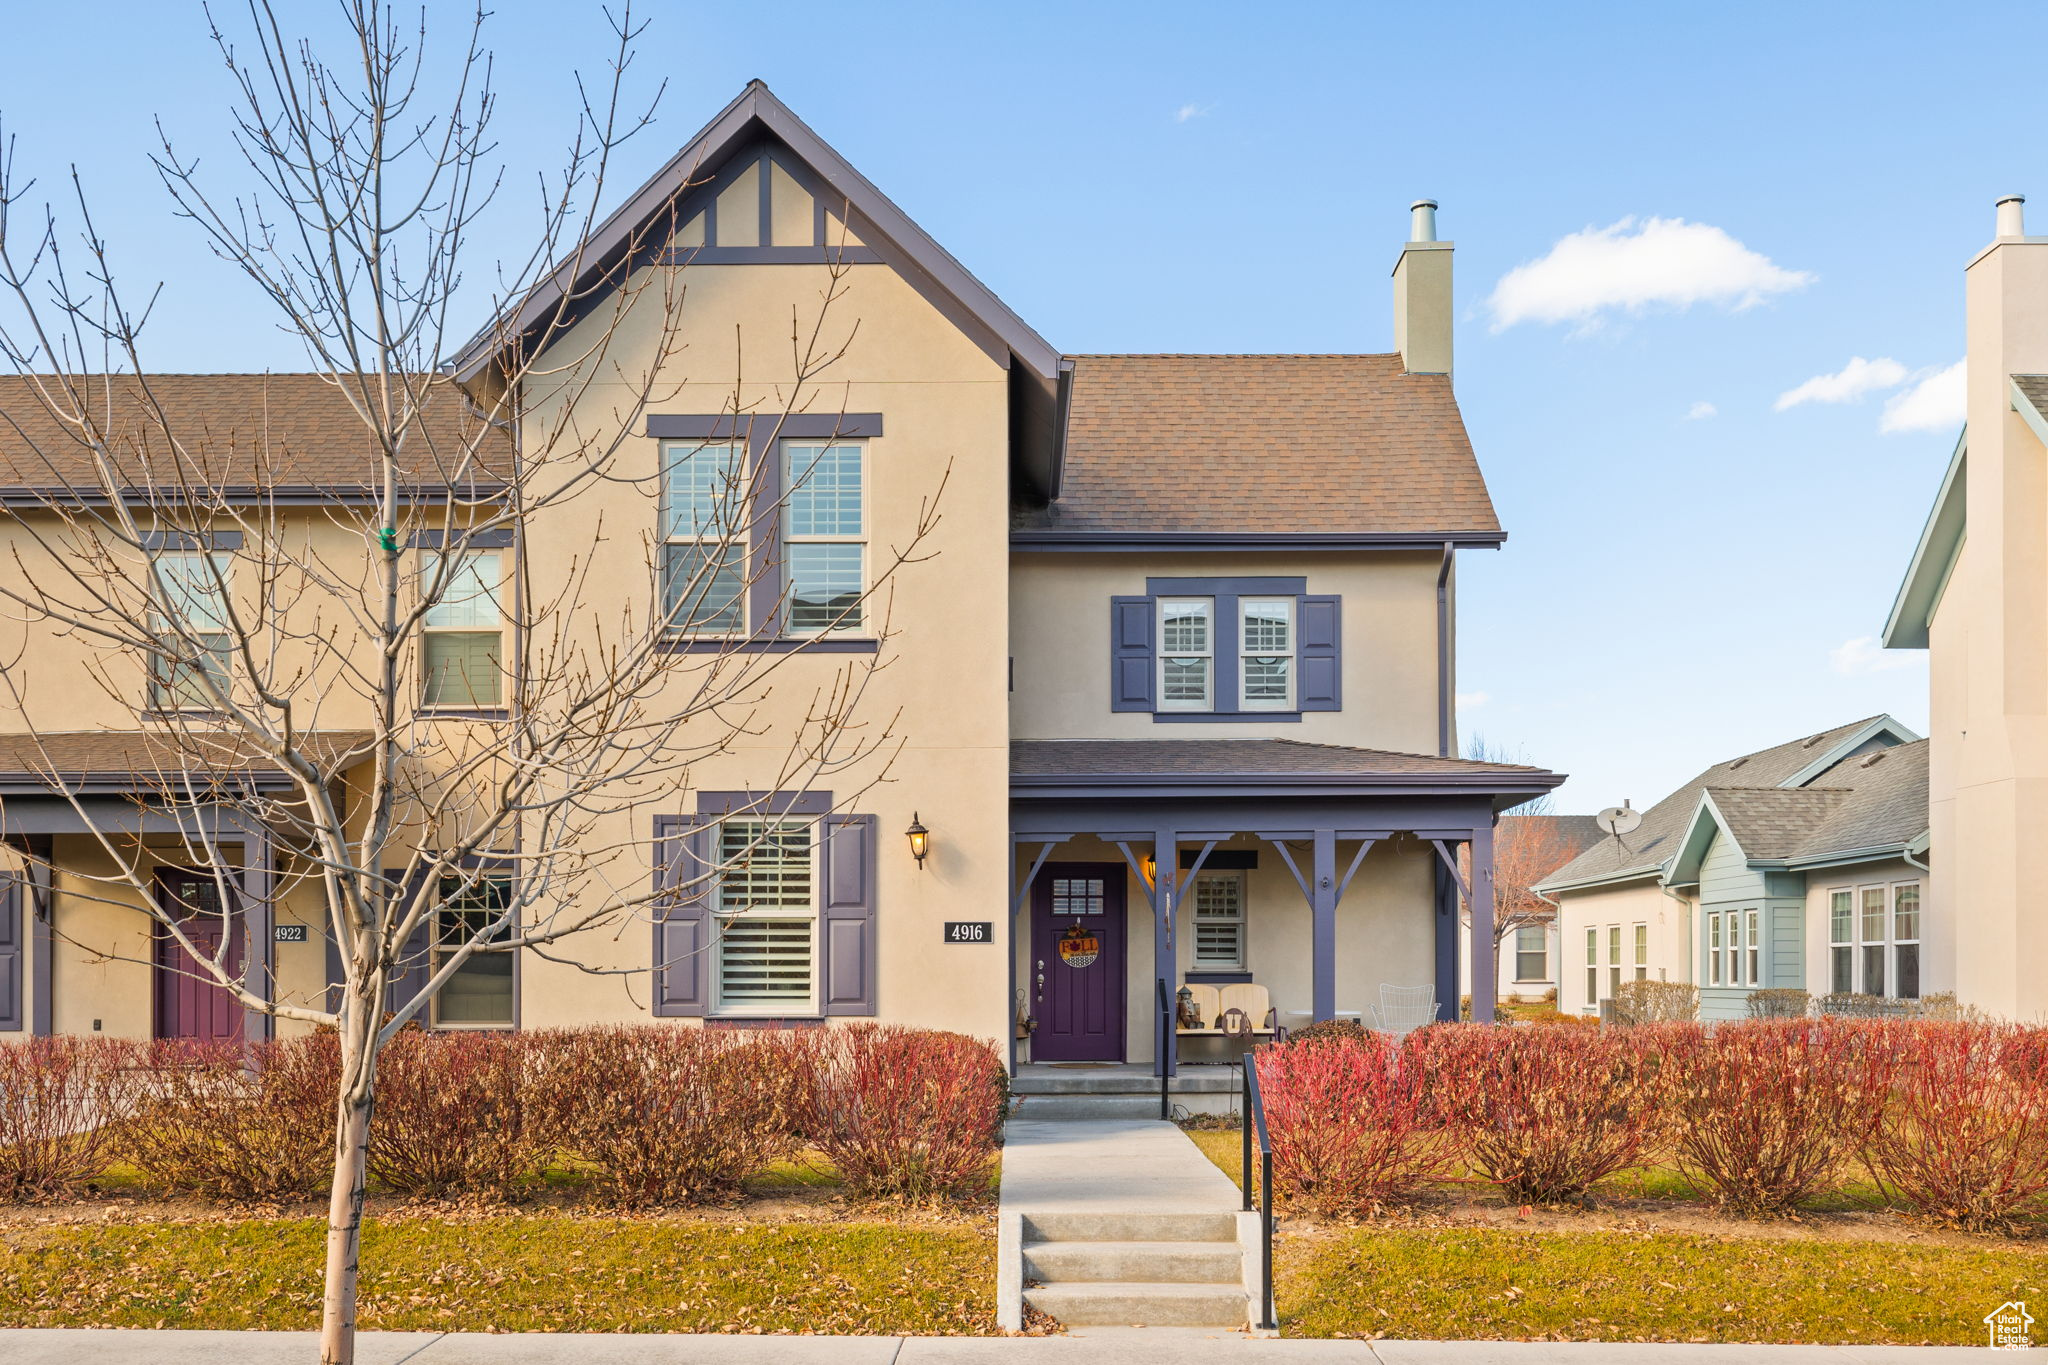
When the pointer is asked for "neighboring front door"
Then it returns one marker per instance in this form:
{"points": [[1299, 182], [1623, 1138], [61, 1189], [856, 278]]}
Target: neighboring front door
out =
{"points": [[1077, 962], [188, 1004]]}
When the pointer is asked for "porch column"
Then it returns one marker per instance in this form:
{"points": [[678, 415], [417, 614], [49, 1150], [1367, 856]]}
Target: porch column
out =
{"points": [[1485, 967], [1322, 902], [258, 974], [1446, 943], [1166, 871]]}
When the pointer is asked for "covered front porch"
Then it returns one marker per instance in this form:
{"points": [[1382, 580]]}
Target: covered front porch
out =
{"points": [[1299, 877]]}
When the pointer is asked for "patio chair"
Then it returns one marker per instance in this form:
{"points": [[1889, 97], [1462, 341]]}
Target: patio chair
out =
{"points": [[1403, 1009]]}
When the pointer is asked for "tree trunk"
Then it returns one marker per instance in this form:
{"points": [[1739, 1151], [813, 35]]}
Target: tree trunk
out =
{"points": [[356, 1096]]}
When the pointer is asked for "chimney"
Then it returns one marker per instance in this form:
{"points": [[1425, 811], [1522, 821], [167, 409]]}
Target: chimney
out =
{"points": [[1422, 295], [2012, 216]]}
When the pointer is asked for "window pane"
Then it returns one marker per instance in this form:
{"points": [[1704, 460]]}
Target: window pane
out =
{"points": [[1908, 960], [1843, 971], [1184, 626], [463, 668], [1592, 966], [1077, 896], [1873, 970], [1265, 678], [1184, 680], [470, 597], [1219, 921], [1906, 915], [480, 991], [1268, 626], [1531, 962], [764, 962], [1873, 916], [191, 592], [704, 587], [825, 491], [766, 866], [700, 493], [1713, 950], [824, 587], [182, 686], [1841, 918]]}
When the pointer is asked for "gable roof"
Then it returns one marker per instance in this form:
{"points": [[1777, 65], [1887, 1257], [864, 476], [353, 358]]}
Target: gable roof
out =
{"points": [[1934, 557], [1236, 448], [1111, 767], [1658, 839], [1774, 822]]}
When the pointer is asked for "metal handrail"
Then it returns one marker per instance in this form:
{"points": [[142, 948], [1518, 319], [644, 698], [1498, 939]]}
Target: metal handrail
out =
{"points": [[1254, 1122], [1166, 1021]]}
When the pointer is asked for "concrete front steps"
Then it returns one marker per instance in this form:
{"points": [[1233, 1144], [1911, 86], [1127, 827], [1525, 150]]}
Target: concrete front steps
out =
{"points": [[1136, 1269], [1122, 1092]]}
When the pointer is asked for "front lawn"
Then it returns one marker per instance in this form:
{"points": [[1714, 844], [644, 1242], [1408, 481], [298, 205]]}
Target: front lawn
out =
{"points": [[512, 1272]]}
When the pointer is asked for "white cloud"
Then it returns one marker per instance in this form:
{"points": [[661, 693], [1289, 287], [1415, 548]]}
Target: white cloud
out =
{"points": [[1189, 111], [1854, 380], [1468, 701], [1633, 265], [1864, 655], [1936, 403], [1700, 412]]}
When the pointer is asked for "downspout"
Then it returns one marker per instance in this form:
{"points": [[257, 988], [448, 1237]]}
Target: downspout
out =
{"points": [[1443, 654]]}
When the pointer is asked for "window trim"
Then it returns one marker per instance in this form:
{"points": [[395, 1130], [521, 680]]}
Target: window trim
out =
{"points": [[811, 1004], [1292, 654], [1208, 652], [1541, 952], [501, 630], [790, 539], [1241, 920]]}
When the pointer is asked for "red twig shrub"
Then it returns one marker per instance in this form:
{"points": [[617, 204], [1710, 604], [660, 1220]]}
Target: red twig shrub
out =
{"points": [[1350, 1126], [1964, 1137], [910, 1113], [1767, 1113], [229, 1124], [666, 1115], [1544, 1112], [453, 1115], [60, 1100]]}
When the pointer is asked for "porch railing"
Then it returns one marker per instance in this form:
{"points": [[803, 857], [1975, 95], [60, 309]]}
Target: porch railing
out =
{"points": [[1166, 1022], [1254, 1125]]}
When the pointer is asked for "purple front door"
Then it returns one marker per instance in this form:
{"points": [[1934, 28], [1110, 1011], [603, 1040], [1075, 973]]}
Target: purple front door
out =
{"points": [[188, 1004], [1077, 962]]}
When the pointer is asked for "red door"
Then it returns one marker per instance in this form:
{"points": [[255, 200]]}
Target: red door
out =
{"points": [[189, 1004], [1077, 962]]}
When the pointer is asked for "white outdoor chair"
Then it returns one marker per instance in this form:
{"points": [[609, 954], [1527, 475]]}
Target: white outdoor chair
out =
{"points": [[1403, 1009]]}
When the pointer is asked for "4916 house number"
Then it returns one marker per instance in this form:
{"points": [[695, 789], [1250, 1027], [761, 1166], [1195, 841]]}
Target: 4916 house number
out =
{"points": [[970, 931]]}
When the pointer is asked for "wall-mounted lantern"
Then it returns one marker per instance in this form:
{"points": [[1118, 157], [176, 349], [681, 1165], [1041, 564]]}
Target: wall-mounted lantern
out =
{"points": [[920, 840], [1150, 867]]}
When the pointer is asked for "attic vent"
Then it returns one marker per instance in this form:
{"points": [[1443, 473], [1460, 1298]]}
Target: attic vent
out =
{"points": [[1738, 763], [1871, 757], [1812, 740]]}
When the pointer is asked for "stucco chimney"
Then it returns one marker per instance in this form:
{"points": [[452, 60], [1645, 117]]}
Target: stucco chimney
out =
{"points": [[1422, 295], [2012, 216]]}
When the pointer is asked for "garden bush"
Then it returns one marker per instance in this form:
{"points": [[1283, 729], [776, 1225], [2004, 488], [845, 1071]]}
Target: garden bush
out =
{"points": [[1964, 1135], [1779, 1002], [663, 1114], [1656, 1002], [233, 1123], [1543, 1112], [59, 1099], [1350, 1125], [902, 1112], [455, 1115], [1348, 1030], [1766, 1113]]}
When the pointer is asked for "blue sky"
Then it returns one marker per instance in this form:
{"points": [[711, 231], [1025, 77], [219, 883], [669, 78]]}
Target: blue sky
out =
{"points": [[1677, 587]]}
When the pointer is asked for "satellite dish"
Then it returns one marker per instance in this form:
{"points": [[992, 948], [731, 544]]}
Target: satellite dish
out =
{"points": [[1619, 820]]}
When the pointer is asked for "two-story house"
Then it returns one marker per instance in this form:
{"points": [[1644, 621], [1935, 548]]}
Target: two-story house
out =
{"points": [[1169, 680]]}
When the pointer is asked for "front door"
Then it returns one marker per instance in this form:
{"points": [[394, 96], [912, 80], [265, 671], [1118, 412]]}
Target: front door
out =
{"points": [[1077, 962], [188, 1003]]}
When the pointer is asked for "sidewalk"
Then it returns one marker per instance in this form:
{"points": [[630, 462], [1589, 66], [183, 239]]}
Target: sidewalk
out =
{"points": [[33, 1346]]}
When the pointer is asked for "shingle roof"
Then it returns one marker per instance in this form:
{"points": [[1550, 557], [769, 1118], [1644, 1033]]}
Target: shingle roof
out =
{"points": [[2035, 387], [1664, 824], [1270, 444], [1231, 757], [1886, 806], [235, 430], [1775, 822], [83, 755]]}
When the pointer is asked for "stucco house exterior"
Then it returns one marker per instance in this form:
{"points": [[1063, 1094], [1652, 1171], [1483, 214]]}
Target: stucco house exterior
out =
{"points": [[1975, 596], [1799, 867], [1173, 672]]}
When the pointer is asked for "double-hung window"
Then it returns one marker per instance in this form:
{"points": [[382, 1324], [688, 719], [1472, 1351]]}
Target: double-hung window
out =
{"points": [[463, 640], [1614, 959], [704, 537], [1187, 653], [1266, 653], [479, 993], [1874, 939], [1714, 948], [767, 918], [825, 534], [1873, 933], [1842, 941], [1592, 967], [189, 615], [1642, 947], [1532, 960], [1752, 921], [1219, 921], [1906, 940], [1258, 650]]}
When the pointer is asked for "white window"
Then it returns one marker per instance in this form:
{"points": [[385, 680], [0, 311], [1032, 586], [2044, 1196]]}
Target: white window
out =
{"points": [[1714, 948], [703, 528], [1752, 919], [1614, 959], [1219, 921], [826, 537], [1078, 896], [1906, 940], [1873, 937], [1642, 946], [766, 911], [1842, 941], [479, 994], [1266, 654], [462, 647], [1532, 957], [192, 621], [1187, 653]]}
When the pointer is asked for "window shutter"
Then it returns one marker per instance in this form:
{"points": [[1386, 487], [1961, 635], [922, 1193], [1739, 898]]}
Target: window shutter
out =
{"points": [[1130, 654], [1320, 660], [846, 915], [682, 926], [415, 958], [11, 955]]}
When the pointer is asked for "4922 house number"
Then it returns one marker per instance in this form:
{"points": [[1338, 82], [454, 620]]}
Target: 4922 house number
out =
{"points": [[970, 931]]}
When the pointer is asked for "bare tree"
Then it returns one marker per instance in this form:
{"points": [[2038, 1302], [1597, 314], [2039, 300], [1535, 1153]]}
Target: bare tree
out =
{"points": [[1529, 844], [273, 652]]}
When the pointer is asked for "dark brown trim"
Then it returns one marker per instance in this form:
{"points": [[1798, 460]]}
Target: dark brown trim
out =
{"points": [[770, 255], [804, 644], [794, 426], [1160, 542]]}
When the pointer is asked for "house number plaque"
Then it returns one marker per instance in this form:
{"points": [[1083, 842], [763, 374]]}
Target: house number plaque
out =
{"points": [[970, 931], [287, 933]]}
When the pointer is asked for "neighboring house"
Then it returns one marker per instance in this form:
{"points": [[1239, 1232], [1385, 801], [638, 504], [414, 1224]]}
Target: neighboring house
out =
{"points": [[1801, 867], [1175, 667], [1527, 849], [1975, 596]]}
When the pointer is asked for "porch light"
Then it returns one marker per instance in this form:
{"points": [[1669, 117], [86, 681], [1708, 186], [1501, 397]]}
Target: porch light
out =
{"points": [[1151, 870], [920, 840]]}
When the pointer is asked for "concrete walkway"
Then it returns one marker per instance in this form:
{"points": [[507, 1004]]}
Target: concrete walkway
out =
{"points": [[1109, 1166], [29, 1346]]}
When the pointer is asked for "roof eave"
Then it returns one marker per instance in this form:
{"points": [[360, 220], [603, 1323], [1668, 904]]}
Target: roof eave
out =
{"points": [[1152, 542], [1934, 555]]}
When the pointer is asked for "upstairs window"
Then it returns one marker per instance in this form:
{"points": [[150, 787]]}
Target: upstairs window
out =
{"points": [[1223, 649], [826, 538], [704, 538], [192, 623], [462, 645], [1267, 650], [1186, 654]]}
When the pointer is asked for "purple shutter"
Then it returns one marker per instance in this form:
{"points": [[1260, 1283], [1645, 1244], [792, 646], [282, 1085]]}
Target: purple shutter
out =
{"points": [[682, 924], [1130, 654], [846, 915], [1320, 657], [11, 939]]}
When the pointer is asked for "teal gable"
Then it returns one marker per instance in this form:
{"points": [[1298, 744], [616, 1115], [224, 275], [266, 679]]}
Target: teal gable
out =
{"points": [[1749, 932]]}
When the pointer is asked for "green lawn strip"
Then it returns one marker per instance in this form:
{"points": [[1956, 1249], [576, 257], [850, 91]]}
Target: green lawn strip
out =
{"points": [[1626, 1286], [521, 1273]]}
